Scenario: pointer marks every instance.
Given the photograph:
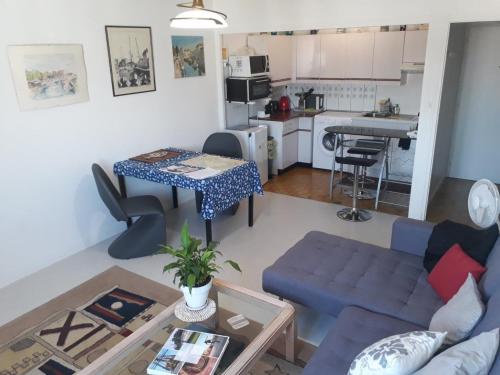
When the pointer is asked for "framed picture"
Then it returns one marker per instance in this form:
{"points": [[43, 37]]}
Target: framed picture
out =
{"points": [[48, 75], [189, 56], [130, 51]]}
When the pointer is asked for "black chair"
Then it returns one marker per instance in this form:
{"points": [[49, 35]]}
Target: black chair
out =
{"points": [[355, 214], [143, 236], [221, 144]]}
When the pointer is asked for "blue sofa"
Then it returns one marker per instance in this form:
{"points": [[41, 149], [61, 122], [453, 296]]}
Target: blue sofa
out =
{"points": [[374, 292]]}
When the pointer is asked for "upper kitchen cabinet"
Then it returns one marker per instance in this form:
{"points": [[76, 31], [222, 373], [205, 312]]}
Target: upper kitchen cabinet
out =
{"points": [[308, 49], [280, 51], [346, 56], [333, 56], [388, 55], [415, 46], [360, 55]]}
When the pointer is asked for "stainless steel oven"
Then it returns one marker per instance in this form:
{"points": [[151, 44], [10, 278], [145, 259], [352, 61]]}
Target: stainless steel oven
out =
{"points": [[247, 89]]}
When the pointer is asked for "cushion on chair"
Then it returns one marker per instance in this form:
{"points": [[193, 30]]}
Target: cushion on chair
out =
{"points": [[354, 330], [350, 160], [327, 273]]}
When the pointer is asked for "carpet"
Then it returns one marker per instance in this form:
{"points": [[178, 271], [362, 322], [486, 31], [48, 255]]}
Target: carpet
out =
{"points": [[74, 329]]}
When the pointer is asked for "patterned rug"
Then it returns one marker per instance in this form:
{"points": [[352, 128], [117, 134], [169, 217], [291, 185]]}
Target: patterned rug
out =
{"points": [[73, 330]]}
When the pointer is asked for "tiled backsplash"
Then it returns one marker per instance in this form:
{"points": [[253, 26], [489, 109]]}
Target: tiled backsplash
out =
{"points": [[341, 97], [361, 96]]}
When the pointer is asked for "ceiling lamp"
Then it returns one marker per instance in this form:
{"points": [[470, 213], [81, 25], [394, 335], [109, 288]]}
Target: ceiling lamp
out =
{"points": [[198, 17]]}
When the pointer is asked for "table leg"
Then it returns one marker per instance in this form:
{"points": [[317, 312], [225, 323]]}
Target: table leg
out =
{"points": [[208, 229], [123, 193], [290, 338], [250, 210], [175, 199]]}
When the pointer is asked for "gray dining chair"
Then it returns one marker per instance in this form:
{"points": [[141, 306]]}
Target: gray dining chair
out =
{"points": [[221, 144], [144, 236]]}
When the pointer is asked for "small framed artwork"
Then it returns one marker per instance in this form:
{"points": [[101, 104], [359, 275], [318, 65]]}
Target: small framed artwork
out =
{"points": [[189, 56], [48, 75], [131, 63]]}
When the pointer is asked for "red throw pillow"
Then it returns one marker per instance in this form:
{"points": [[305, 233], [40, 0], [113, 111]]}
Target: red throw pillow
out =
{"points": [[451, 271]]}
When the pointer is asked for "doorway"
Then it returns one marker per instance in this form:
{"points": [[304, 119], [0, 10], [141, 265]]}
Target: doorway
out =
{"points": [[467, 143]]}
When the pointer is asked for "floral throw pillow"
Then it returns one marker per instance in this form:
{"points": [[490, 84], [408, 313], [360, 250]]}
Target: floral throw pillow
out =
{"points": [[397, 355]]}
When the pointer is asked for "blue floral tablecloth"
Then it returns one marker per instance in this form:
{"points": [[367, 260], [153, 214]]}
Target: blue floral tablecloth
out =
{"points": [[219, 192]]}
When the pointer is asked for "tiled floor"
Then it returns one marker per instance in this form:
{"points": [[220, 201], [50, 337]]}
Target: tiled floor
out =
{"points": [[280, 221]]}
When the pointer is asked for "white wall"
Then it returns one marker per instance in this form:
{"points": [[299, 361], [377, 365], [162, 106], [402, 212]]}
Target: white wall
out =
{"points": [[475, 149], [280, 15], [448, 106], [49, 205]]}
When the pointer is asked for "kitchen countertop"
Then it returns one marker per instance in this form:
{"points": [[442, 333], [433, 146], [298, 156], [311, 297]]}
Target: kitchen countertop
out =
{"points": [[285, 116]]}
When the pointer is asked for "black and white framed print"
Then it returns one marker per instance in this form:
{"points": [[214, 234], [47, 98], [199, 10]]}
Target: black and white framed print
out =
{"points": [[130, 51]]}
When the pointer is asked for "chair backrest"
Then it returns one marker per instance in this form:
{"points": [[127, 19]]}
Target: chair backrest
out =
{"points": [[108, 193], [223, 144]]}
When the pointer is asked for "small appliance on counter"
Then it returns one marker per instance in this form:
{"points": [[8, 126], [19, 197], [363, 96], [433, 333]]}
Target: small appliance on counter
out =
{"points": [[284, 104], [302, 98], [315, 102], [272, 107], [247, 89], [249, 66]]}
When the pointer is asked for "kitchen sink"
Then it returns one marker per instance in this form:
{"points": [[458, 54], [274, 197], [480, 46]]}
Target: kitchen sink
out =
{"points": [[377, 114]]}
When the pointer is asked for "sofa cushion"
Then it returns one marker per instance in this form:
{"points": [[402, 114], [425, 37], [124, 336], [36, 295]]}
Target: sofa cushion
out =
{"points": [[327, 273], [490, 321], [451, 271], [475, 242], [491, 279], [354, 330]]}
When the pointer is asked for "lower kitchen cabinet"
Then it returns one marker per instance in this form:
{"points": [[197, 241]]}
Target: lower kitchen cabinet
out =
{"points": [[290, 149], [305, 140]]}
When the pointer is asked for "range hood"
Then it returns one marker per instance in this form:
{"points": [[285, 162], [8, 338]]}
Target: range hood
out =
{"points": [[415, 68]]}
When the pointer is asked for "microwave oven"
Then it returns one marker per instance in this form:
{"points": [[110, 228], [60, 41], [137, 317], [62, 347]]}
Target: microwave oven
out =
{"points": [[247, 89], [249, 66]]}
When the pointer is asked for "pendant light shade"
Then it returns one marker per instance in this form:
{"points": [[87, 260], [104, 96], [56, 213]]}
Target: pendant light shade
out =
{"points": [[197, 17]]}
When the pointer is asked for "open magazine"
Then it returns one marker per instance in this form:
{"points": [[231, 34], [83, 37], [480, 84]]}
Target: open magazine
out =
{"points": [[189, 352]]}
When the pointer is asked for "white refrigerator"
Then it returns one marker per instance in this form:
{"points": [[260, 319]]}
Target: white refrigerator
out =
{"points": [[253, 141]]}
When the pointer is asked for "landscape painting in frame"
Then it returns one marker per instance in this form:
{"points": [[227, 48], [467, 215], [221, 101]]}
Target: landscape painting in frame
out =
{"points": [[48, 75], [130, 51], [189, 56]]}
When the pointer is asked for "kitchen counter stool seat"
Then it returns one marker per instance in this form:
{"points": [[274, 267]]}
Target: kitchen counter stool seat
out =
{"points": [[354, 214], [146, 234]]}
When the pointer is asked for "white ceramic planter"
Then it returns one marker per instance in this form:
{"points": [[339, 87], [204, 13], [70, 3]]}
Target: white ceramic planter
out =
{"points": [[197, 299]]}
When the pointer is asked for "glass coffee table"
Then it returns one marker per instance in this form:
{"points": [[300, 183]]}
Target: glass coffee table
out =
{"points": [[269, 318]]}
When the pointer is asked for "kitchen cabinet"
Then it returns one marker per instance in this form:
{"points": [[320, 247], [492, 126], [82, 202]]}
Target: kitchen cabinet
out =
{"points": [[415, 46], [280, 51], [360, 55], [308, 58], [305, 140], [333, 56], [388, 55], [345, 56], [290, 149]]}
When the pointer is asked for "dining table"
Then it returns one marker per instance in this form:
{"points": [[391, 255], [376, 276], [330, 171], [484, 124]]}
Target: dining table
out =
{"points": [[220, 191]]}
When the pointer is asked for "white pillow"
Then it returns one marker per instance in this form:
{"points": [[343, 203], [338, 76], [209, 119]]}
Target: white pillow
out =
{"points": [[397, 355], [471, 357], [461, 314]]}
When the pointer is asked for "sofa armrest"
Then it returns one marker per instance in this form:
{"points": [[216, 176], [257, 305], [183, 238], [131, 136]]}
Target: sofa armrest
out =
{"points": [[411, 236]]}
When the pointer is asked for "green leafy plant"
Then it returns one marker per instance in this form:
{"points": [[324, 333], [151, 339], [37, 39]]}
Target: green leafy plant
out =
{"points": [[193, 266]]}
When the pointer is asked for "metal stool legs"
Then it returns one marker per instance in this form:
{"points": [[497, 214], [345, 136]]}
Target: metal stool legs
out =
{"points": [[354, 214]]}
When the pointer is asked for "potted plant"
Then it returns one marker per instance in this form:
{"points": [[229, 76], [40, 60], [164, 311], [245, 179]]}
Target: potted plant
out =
{"points": [[194, 268]]}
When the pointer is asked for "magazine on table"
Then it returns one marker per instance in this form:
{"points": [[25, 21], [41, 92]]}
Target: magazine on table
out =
{"points": [[180, 169], [189, 352]]}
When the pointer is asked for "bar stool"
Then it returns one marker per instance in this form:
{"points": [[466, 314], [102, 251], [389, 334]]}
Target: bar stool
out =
{"points": [[364, 152], [354, 214]]}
